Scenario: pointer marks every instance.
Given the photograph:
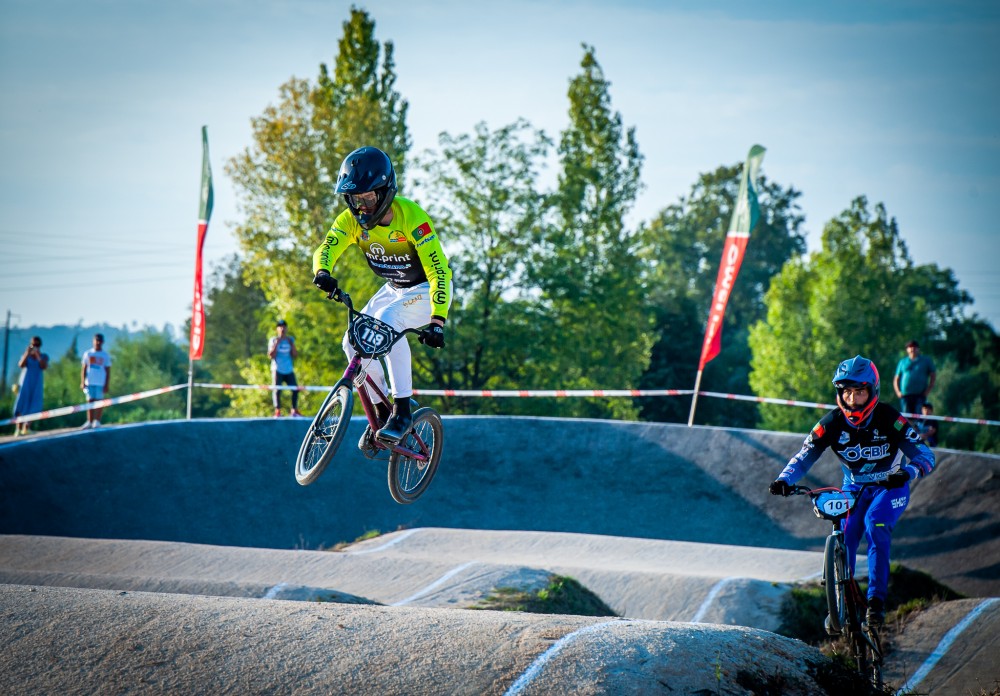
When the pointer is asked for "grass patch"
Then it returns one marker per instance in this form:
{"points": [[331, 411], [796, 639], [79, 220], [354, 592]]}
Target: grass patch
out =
{"points": [[341, 545], [906, 585], [910, 592], [563, 595], [803, 612]]}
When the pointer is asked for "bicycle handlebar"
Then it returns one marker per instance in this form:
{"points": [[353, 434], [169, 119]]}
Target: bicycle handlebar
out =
{"points": [[341, 296], [813, 492]]}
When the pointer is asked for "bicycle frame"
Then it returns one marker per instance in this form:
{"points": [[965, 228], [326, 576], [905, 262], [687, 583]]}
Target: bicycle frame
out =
{"points": [[374, 340]]}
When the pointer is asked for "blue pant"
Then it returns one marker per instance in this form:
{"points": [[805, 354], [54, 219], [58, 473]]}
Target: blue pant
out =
{"points": [[875, 514]]}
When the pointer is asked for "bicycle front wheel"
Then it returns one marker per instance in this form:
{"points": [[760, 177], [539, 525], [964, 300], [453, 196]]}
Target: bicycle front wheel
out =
{"points": [[325, 435], [834, 577], [409, 476]]}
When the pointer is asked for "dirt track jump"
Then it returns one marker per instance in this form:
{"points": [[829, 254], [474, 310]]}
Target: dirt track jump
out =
{"points": [[144, 556]]}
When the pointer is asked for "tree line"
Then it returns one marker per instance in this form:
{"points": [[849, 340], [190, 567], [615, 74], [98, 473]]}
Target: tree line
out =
{"points": [[553, 287]]}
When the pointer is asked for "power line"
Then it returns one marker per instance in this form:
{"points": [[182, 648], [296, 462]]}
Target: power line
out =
{"points": [[100, 283]]}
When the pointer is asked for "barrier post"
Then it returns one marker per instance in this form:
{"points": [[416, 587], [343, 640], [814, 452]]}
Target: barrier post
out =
{"points": [[190, 385], [694, 398]]}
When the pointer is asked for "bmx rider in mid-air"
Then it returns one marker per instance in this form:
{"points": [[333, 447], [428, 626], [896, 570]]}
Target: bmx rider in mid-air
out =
{"points": [[400, 245]]}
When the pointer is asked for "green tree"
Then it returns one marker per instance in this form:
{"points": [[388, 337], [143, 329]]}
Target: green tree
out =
{"points": [[967, 358], [286, 179], [681, 252], [487, 208], [860, 294], [594, 329], [146, 361]]}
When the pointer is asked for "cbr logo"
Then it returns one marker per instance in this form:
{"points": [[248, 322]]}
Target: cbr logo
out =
{"points": [[853, 454]]}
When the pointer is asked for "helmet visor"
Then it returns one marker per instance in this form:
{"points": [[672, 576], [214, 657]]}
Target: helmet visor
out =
{"points": [[364, 202]]}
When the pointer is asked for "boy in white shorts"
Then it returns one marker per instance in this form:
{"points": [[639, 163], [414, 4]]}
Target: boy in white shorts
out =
{"points": [[95, 378]]}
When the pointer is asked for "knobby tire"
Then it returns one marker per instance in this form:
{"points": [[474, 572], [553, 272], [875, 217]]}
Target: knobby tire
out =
{"points": [[325, 434], [834, 574], [410, 477]]}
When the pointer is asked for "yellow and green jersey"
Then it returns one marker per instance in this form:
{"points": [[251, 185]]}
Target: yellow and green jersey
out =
{"points": [[406, 253]]}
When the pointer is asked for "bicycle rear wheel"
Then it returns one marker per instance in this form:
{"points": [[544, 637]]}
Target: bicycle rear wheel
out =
{"points": [[410, 476], [857, 629], [325, 435], [870, 651], [834, 577]]}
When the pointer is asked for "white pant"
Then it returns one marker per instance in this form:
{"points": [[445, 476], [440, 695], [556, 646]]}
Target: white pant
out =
{"points": [[400, 308]]}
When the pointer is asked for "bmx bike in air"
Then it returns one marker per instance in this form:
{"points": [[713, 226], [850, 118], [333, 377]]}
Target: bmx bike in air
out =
{"points": [[413, 460]]}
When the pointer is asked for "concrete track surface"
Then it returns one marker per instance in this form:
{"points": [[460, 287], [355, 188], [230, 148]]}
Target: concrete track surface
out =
{"points": [[176, 537]]}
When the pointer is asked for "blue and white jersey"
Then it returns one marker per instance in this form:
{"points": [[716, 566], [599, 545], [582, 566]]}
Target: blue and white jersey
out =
{"points": [[867, 454]]}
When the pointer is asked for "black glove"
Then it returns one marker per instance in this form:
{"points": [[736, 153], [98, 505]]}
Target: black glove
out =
{"points": [[781, 488], [325, 282], [433, 336], [898, 479]]}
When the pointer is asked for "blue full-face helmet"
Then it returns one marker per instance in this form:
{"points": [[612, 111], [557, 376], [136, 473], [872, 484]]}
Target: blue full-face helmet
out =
{"points": [[857, 372], [367, 170]]}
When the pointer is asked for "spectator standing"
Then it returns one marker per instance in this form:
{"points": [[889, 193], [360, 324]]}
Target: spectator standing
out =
{"points": [[915, 375], [282, 351], [95, 378], [928, 428], [29, 393]]}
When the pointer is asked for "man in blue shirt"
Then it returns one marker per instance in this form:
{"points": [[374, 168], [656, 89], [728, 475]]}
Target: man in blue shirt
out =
{"points": [[281, 349], [914, 379]]}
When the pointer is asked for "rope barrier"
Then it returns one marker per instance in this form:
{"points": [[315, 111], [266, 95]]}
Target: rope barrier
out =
{"points": [[483, 393], [564, 393], [90, 405]]}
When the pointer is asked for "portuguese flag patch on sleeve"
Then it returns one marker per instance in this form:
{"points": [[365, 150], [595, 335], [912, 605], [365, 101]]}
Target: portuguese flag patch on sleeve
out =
{"points": [[900, 423]]}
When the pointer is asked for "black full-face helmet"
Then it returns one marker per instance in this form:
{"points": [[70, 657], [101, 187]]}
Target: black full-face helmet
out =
{"points": [[367, 170], [858, 372]]}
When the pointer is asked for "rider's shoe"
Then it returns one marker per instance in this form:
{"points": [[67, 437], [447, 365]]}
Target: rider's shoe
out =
{"points": [[367, 441], [876, 612], [277, 413], [399, 422], [829, 627]]}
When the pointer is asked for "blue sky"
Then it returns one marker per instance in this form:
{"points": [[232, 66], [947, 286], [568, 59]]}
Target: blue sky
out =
{"points": [[103, 102]]}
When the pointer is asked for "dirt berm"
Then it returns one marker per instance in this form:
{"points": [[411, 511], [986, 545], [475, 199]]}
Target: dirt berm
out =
{"points": [[152, 558], [230, 482]]}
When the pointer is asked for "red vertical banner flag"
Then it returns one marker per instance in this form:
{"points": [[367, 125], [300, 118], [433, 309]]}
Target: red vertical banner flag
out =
{"points": [[204, 214], [745, 217]]}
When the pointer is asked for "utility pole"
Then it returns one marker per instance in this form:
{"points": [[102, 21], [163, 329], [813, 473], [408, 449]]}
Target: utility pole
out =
{"points": [[6, 347]]}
